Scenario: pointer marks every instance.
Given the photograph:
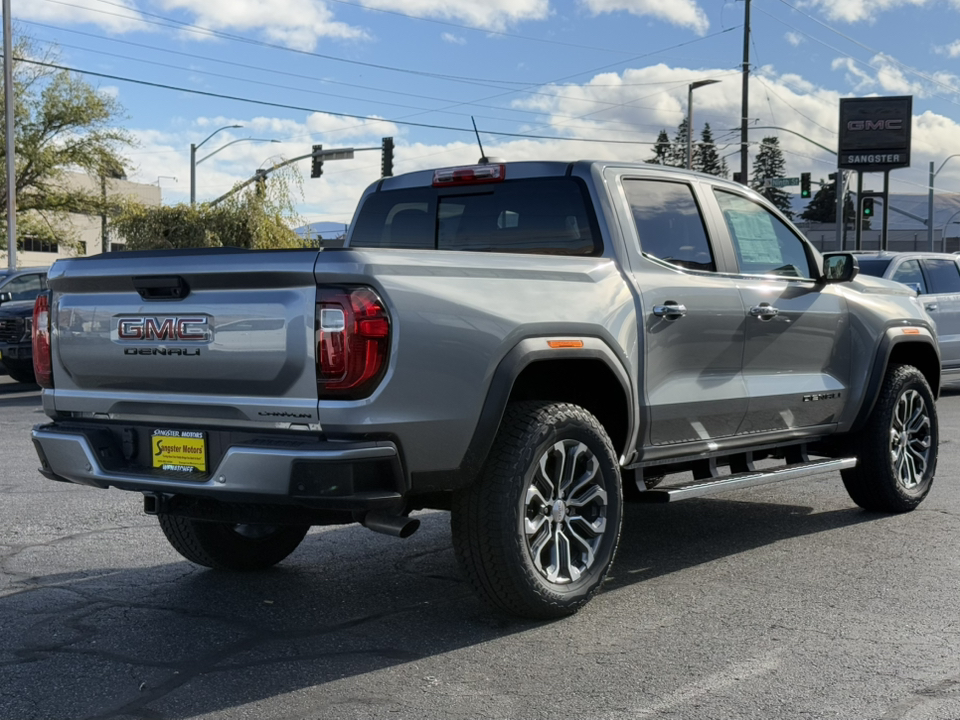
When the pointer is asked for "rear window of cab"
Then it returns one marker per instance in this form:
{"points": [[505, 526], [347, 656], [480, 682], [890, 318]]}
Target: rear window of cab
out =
{"points": [[547, 216]]}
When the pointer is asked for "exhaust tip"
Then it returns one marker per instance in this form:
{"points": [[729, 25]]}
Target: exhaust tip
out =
{"points": [[396, 525]]}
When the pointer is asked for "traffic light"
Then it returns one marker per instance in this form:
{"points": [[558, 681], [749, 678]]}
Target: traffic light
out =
{"points": [[804, 185], [868, 207], [386, 163], [316, 166]]}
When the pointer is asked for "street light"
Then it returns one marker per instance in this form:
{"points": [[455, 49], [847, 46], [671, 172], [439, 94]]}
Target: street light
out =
{"points": [[943, 233], [233, 142], [933, 176], [193, 161], [690, 88]]}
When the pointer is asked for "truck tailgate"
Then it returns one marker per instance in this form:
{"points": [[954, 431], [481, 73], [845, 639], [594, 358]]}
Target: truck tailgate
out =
{"points": [[186, 336]]}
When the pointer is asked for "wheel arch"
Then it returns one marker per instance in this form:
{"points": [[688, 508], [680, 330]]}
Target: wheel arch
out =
{"points": [[591, 376], [900, 348]]}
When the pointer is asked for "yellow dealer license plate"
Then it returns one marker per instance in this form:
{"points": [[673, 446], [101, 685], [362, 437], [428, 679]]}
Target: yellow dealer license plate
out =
{"points": [[179, 450]]}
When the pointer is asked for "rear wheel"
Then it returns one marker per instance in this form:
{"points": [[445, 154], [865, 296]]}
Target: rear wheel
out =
{"points": [[536, 534], [897, 448], [228, 546]]}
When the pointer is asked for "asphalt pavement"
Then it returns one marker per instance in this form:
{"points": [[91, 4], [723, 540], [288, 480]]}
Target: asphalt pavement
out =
{"points": [[783, 601]]}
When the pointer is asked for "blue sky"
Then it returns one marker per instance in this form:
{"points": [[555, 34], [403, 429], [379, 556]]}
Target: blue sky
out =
{"points": [[580, 73]]}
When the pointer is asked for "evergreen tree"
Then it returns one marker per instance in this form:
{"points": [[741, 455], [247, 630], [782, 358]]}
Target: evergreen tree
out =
{"points": [[706, 159], [823, 205], [768, 165], [661, 150], [677, 157]]}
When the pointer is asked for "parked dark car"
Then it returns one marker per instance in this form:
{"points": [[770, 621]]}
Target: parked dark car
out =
{"points": [[18, 290], [936, 278]]}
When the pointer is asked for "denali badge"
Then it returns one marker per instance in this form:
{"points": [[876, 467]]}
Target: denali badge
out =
{"points": [[177, 329], [161, 351]]}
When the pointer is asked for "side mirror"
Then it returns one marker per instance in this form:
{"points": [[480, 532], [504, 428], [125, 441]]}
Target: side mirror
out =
{"points": [[840, 268], [5, 297]]}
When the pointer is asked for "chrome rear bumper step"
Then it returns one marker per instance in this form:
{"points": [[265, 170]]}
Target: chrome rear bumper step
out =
{"points": [[699, 488]]}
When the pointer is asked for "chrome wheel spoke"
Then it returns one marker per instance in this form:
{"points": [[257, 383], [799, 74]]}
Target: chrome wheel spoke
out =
{"points": [[565, 510], [910, 440]]}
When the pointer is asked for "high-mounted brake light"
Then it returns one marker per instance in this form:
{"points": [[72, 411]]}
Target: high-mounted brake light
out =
{"points": [[42, 358], [353, 340], [469, 175]]}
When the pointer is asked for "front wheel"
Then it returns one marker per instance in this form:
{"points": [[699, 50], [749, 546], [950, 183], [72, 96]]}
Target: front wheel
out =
{"points": [[897, 448], [536, 534], [227, 546]]}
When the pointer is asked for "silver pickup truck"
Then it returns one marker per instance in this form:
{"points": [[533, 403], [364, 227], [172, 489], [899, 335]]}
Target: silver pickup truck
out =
{"points": [[527, 345]]}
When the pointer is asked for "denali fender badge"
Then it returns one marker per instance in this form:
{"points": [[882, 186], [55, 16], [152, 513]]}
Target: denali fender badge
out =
{"points": [[821, 396], [285, 414]]}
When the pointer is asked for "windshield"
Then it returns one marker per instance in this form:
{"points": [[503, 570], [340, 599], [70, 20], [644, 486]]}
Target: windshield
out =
{"points": [[874, 266]]}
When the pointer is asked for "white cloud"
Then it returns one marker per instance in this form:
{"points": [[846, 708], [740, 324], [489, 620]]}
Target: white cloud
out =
{"points": [[686, 13], [860, 10], [490, 14], [885, 76], [295, 23], [453, 39], [952, 50], [794, 38], [116, 20], [110, 91]]}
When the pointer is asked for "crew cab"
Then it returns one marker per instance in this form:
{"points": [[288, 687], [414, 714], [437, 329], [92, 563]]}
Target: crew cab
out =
{"points": [[527, 345]]}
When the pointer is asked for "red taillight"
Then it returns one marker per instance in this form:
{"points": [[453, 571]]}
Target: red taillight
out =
{"points": [[353, 339], [470, 175], [42, 359]]}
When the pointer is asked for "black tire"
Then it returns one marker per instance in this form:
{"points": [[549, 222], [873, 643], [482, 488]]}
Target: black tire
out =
{"points": [[506, 524], [897, 448], [225, 546], [21, 372]]}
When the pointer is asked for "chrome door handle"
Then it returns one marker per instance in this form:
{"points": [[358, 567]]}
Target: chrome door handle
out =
{"points": [[670, 310], [764, 311], [931, 306]]}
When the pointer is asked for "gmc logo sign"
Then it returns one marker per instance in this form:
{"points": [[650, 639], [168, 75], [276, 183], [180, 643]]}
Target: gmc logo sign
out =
{"points": [[174, 329], [855, 125]]}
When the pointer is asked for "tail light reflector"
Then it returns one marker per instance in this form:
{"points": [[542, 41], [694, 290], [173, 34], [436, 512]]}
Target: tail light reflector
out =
{"points": [[42, 358], [353, 340]]}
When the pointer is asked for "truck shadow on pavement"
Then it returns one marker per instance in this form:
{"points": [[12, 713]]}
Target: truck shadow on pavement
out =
{"points": [[170, 640]]}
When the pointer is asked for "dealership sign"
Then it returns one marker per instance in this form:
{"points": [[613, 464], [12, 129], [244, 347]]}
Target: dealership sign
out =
{"points": [[875, 133]]}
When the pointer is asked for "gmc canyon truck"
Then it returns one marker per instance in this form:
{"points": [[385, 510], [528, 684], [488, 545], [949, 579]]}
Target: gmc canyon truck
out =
{"points": [[527, 345]]}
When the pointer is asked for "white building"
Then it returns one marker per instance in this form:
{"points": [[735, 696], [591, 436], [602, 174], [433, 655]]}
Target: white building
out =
{"points": [[89, 229]]}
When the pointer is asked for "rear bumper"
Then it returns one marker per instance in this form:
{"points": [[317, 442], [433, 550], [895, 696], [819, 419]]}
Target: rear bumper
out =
{"points": [[318, 474]]}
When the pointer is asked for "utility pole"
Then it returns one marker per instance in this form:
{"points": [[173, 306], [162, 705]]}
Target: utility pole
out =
{"points": [[9, 109], [745, 104]]}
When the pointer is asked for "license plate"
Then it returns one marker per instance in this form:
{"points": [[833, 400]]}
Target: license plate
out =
{"points": [[179, 450]]}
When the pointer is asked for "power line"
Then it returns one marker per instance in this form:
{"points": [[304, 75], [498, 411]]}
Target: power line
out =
{"points": [[299, 108]]}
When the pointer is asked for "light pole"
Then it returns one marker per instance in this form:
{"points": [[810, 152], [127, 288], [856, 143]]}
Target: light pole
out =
{"points": [[193, 161], [933, 176], [223, 147], [690, 88], [943, 233]]}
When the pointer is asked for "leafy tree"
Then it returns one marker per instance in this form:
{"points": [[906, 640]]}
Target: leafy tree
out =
{"points": [[61, 124], [706, 159], [823, 205], [661, 150], [260, 216], [768, 165]]}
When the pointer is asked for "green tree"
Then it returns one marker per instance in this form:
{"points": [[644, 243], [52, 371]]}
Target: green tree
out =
{"points": [[706, 159], [661, 150], [768, 165], [823, 205], [260, 216], [677, 156], [62, 124]]}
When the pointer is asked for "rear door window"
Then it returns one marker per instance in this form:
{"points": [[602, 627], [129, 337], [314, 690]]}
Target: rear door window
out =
{"points": [[669, 224], [541, 216], [943, 275]]}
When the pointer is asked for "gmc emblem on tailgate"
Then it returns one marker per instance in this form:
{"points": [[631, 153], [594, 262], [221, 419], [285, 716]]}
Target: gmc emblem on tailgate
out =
{"points": [[172, 329]]}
